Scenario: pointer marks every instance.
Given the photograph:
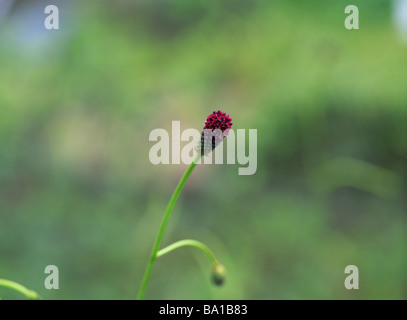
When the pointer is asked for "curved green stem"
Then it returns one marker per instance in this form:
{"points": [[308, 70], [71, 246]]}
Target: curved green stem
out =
{"points": [[164, 222], [32, 295], [191, 243]]}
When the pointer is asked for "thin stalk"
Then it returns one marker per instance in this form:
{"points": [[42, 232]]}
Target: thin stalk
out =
{"points": [[32, 295], [163, 226], [191, 243]]}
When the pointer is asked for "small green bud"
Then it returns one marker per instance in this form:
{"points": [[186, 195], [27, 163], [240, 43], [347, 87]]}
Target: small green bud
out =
{"points": [[218, 274]]}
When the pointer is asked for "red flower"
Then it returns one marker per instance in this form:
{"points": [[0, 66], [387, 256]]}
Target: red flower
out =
{"points": [[218, 120], [216, 128]]}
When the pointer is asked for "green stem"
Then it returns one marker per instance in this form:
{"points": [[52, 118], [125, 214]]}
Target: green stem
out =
{"points": [[164, 222], [191, 243], [32, 295]]}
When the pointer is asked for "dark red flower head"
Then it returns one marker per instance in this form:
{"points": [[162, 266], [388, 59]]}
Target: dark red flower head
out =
{"points": [[216, 128], [218, 120]]}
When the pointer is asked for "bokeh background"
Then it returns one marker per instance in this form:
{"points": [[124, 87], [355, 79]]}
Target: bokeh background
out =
{"points": [[77, 189]]}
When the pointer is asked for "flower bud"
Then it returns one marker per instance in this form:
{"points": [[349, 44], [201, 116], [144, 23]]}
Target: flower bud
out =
{"points": [[218, 274]]}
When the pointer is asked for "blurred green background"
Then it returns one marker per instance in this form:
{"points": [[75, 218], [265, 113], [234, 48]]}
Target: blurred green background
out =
{"points": [[77, 189]]}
